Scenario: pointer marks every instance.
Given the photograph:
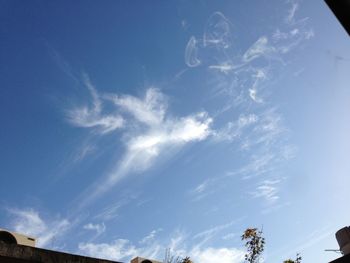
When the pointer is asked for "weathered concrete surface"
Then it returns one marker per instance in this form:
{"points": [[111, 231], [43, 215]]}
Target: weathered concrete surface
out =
{"points": [[11, 253]]}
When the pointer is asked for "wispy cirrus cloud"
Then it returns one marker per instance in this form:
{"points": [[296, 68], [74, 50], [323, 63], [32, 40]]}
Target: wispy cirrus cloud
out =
{"points": [[151, 236], [146, 126], [229, 236], [267, 189], [98, 228], [201, 190], [294, 6], [85, 150], [29, 221], [123, 249], [217, 31], [191, 53], [150, 110], [117, 250], [223, 255], [262, 136], [177, 244], [260, 48], [147, 131], [210, 233], [112, 210], [91, 116], [233, 130]]}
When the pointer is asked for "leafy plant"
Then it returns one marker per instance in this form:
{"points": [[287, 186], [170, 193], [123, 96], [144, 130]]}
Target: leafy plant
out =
{"points": [[297, 260], [255, 243], [186, 260]]}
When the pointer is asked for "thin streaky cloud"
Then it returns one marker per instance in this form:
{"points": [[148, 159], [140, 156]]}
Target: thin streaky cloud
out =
{"points": [[210, 233], [229, 236], [290, 18], [84, 151], [233, 130], [260, 48], [92, 117], [152, 131], [217, 31], [151, 236], [268, 190], [149, 110], [113, 210], [29, 221], [144, 149], [177, 244], [191, 53], [62, 63], [98, 228]]}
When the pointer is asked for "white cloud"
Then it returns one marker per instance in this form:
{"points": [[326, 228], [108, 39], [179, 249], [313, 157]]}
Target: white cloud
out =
{"points": [[199, 189], [217, 31], [99, 228], [122, 249], [258, 165], [210, 233], [191, 53], [151, 236], [84, 151], [84, 117], [29, 222], [177, 243], [184, 24], [150, 110], [112, 211], [260, 48], [116, 250], [259, 75], [253, 95], [229, 236], [245, 120], [222, 255], [291, 12], [61, 63], [91, 117], [224, 67], [267, 189], [279, 35], [143, 149], [270, 127], [295, 33], [151, 129], [147, 133], [233, 130]]}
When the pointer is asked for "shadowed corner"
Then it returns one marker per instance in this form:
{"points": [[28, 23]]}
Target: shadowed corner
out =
{"points": [[341, 10]]}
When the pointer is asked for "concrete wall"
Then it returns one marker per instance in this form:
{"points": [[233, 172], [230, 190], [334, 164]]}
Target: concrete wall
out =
{"points": [[11, 253]]}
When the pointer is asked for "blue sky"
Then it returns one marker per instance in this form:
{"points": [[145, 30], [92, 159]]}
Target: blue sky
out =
{"points": [[130, 127]]}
